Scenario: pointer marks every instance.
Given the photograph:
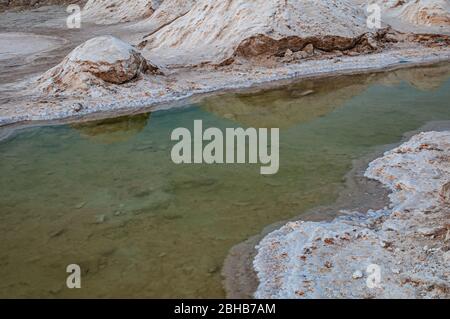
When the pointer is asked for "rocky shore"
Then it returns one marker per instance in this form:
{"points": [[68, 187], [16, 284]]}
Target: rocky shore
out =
{"points": [[200, 47], [407, 242], [146, 54]]}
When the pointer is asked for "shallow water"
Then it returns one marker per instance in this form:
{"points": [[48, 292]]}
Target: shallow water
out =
{"points": [[105, 195]]}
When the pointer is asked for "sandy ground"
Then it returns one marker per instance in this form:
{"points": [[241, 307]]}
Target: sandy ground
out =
{"points": [[23, 45], [48, 22], [48, 41], [20, 102]]}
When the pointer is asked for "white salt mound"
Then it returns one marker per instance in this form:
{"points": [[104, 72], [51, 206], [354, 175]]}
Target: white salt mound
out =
{"points": [[96, 63], [116, 11], [212, 31]]}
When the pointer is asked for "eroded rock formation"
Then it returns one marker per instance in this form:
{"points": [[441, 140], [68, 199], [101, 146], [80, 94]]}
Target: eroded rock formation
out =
{"points": [[97, 63]]}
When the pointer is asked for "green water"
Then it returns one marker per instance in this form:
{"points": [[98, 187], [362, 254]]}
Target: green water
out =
{"points": [[106, 195]]}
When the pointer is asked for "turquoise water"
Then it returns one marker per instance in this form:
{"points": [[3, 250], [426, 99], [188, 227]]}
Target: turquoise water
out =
{"points": [[106, 195]]}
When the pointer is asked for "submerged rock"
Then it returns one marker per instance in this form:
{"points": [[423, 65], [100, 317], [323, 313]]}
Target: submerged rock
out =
{"points": [[96, 63], [290, 261]]}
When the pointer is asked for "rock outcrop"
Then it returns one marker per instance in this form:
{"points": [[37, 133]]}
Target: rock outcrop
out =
{"points": [[397, 252], [116, 11], [215, 31], [95, 64]]}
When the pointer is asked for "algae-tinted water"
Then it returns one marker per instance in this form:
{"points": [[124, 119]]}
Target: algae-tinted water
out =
{"points": [[106, 195]]}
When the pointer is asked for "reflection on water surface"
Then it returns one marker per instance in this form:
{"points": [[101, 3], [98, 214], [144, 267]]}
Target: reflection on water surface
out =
{"points": [[105, 194]]}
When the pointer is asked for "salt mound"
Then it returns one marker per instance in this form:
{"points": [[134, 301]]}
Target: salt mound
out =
{"points": [[416, 12], [167, 12], [213, 31], [116, 11], [112, 130], [427, 12], [95, 63]]}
